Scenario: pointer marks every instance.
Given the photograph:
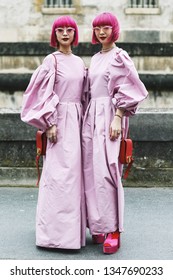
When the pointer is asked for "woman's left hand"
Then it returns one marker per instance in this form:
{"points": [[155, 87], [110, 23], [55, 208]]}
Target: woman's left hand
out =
{"points": [[51, 133], [115, 128]]}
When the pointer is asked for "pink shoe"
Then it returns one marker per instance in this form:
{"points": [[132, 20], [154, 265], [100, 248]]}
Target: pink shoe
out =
{"points": [[111, 243], [98, 238]]}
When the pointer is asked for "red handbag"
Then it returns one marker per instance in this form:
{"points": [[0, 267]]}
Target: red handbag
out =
{"points": [[126, 154], [41, 143]]}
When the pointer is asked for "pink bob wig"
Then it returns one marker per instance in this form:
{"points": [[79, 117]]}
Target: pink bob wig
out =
{"points": [[106, 19], [63, 21]]}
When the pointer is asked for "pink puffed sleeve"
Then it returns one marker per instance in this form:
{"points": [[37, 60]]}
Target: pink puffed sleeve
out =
{"points": [[39, 99], [124, 84]]}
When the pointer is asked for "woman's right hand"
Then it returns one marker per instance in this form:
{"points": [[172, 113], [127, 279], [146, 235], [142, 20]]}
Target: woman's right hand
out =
{"points": [[51, 133], [115, 128]]}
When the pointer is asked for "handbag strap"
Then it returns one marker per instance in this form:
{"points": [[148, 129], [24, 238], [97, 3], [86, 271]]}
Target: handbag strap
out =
{"points": [[55, 66], [38, 169], [126, 173], [39, 146], [122, 133]]}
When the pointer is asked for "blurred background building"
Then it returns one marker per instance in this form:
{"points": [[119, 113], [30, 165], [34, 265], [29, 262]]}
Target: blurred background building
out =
{"points": [[31, 20]]}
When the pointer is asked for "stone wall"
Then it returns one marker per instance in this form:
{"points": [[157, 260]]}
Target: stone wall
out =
{"points": [[22, 21], [151, 131], [153, 62]]}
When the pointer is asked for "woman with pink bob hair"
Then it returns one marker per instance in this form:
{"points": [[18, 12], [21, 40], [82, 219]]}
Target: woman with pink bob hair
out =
{"points": [[106, 19], [115, 90], [52, 102], [60, 23]]}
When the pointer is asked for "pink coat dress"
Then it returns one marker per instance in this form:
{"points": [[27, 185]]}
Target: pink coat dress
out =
{"points": [[55, 98], [114, 83]]}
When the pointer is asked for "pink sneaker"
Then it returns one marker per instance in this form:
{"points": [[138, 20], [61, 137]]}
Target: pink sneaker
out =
{"points": [[111, 243], [98, 238]]}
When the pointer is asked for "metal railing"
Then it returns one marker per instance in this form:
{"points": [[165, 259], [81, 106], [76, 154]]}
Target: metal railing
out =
{"points": [[58, 3], [143, 3]]}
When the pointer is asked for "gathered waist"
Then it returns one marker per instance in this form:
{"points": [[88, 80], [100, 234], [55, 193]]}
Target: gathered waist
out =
{"points": [[101, 99], [70, 102]]}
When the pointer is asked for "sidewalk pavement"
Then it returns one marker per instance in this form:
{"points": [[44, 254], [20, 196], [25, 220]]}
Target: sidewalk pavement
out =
{"points": [[148, 224]]}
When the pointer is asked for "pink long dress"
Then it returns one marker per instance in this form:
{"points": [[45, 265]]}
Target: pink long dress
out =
{"points": [[114, 83], [55, 98]]}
